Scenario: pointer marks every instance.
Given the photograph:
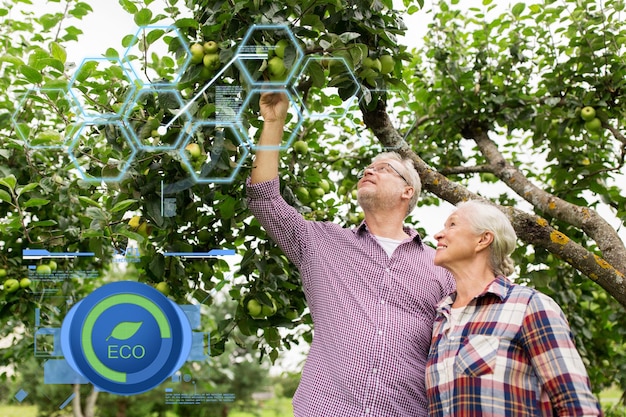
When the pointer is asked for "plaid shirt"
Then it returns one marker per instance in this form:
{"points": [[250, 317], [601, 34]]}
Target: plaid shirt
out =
{"points": [[372, 313], [513, 355]]}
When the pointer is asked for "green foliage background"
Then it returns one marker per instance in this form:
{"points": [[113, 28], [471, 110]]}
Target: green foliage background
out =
{"points": [[521, 76]]}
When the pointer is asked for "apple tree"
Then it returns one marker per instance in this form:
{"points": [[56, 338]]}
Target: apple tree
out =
{"points": [[490, 106]]}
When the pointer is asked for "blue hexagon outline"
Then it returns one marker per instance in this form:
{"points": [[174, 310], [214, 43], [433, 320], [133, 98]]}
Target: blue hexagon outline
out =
{"points": [[296, 62], [208, 84], [102, 116], [14, 122], [347, 104], [127, 164], [236, 129], [183, 42], [184, 107], [378, 90], [297, 127]]}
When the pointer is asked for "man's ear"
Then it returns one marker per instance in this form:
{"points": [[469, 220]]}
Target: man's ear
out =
{"points": [[408, 192]]}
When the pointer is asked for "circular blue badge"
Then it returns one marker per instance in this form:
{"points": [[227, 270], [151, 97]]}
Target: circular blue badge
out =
{"points": [[126, 338]]}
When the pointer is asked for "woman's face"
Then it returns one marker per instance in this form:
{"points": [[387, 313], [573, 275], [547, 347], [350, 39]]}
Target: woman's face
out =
{"points": [[457, 242]]}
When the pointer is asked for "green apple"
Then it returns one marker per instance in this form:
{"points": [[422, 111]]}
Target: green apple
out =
{"points": [[25, 283], [593, 125], [281, 45], [210, 47], [204, 235], [302, 193], [276, 68], [197, 53], [254, 308], [317, 193], [587, 113], [268, 311], [11, 285], [3, 272], [386, 64], [194, 150], [324, 185], [211, 61], [44, 269], [373, 63], [53, 265], [292, 314], [206, 73], [163, 287], [300, 147]]}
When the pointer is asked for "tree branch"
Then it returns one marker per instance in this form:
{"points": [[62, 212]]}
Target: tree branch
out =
{"points": [[530, 228]]}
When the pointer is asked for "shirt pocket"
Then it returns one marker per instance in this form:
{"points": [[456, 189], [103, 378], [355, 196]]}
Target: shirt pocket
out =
{"points": [[477, 355]]}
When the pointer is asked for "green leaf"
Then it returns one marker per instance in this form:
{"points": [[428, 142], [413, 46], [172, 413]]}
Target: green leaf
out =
{"points": [[44, 223], [154, 35], [27, 188], [123, 205], [129, 6], [88, 201], [5, 196], [35, 202], [187, 23], [58, 51], [518, 9], [31, 74], [143, 17], [9, 182], [125, 330], [95, 213], [85, 70], [111, 53]]}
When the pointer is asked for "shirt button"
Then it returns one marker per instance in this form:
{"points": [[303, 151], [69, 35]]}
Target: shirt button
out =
{"points": [[374, 370], [380, 332], [387, 269], [367, 410], [382, 301]]}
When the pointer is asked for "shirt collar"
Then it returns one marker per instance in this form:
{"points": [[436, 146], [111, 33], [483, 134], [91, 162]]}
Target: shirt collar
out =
{"points": [[499, 287], [362, 228]]}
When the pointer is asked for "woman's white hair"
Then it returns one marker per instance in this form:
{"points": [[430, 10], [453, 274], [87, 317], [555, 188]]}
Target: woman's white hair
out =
{"points": [[409, 172], [485, 217]]}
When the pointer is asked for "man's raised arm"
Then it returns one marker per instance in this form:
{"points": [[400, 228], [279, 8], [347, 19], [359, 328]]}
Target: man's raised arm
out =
{"points": [[274, 108]]}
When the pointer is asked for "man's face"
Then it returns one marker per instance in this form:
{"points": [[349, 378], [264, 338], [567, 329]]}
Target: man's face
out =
{"points": [[382, 185]]}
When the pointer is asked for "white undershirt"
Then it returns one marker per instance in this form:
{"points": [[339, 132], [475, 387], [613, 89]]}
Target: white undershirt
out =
{"points": [[389, 245]]}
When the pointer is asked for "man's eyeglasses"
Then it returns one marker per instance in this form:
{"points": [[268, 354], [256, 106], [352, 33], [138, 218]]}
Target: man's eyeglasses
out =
{"points": [[385, 168]]}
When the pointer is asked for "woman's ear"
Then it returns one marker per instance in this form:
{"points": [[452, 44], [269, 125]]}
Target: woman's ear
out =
{"points": [[486, 239]]}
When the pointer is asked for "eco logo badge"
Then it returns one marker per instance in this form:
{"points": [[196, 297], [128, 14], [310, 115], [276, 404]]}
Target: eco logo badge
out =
{"points": [[126, 338]]}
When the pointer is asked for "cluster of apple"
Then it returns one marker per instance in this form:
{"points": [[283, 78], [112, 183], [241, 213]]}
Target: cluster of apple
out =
{"points": [[12, 285], [276, 69], [258, 310], [207, 54], [592, 123], [140, 226], [46, 269], [375, 65]]}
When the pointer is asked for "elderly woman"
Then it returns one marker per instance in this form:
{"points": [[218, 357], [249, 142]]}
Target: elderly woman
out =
{"points": [[498, 349]]}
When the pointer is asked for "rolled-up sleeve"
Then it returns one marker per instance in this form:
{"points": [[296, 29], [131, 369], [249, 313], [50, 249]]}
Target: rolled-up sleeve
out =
{"points": [[282, 222]]}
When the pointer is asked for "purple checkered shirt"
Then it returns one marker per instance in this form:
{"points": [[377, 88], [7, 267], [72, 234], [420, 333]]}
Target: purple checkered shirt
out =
{"points": [[372, 313], [512, 354]]}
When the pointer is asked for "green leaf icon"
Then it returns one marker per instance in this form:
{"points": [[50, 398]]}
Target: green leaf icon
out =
{"points": [[125, 330]]}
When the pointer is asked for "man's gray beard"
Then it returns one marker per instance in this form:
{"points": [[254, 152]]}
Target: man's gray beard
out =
{"points": [[373, 201]]}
